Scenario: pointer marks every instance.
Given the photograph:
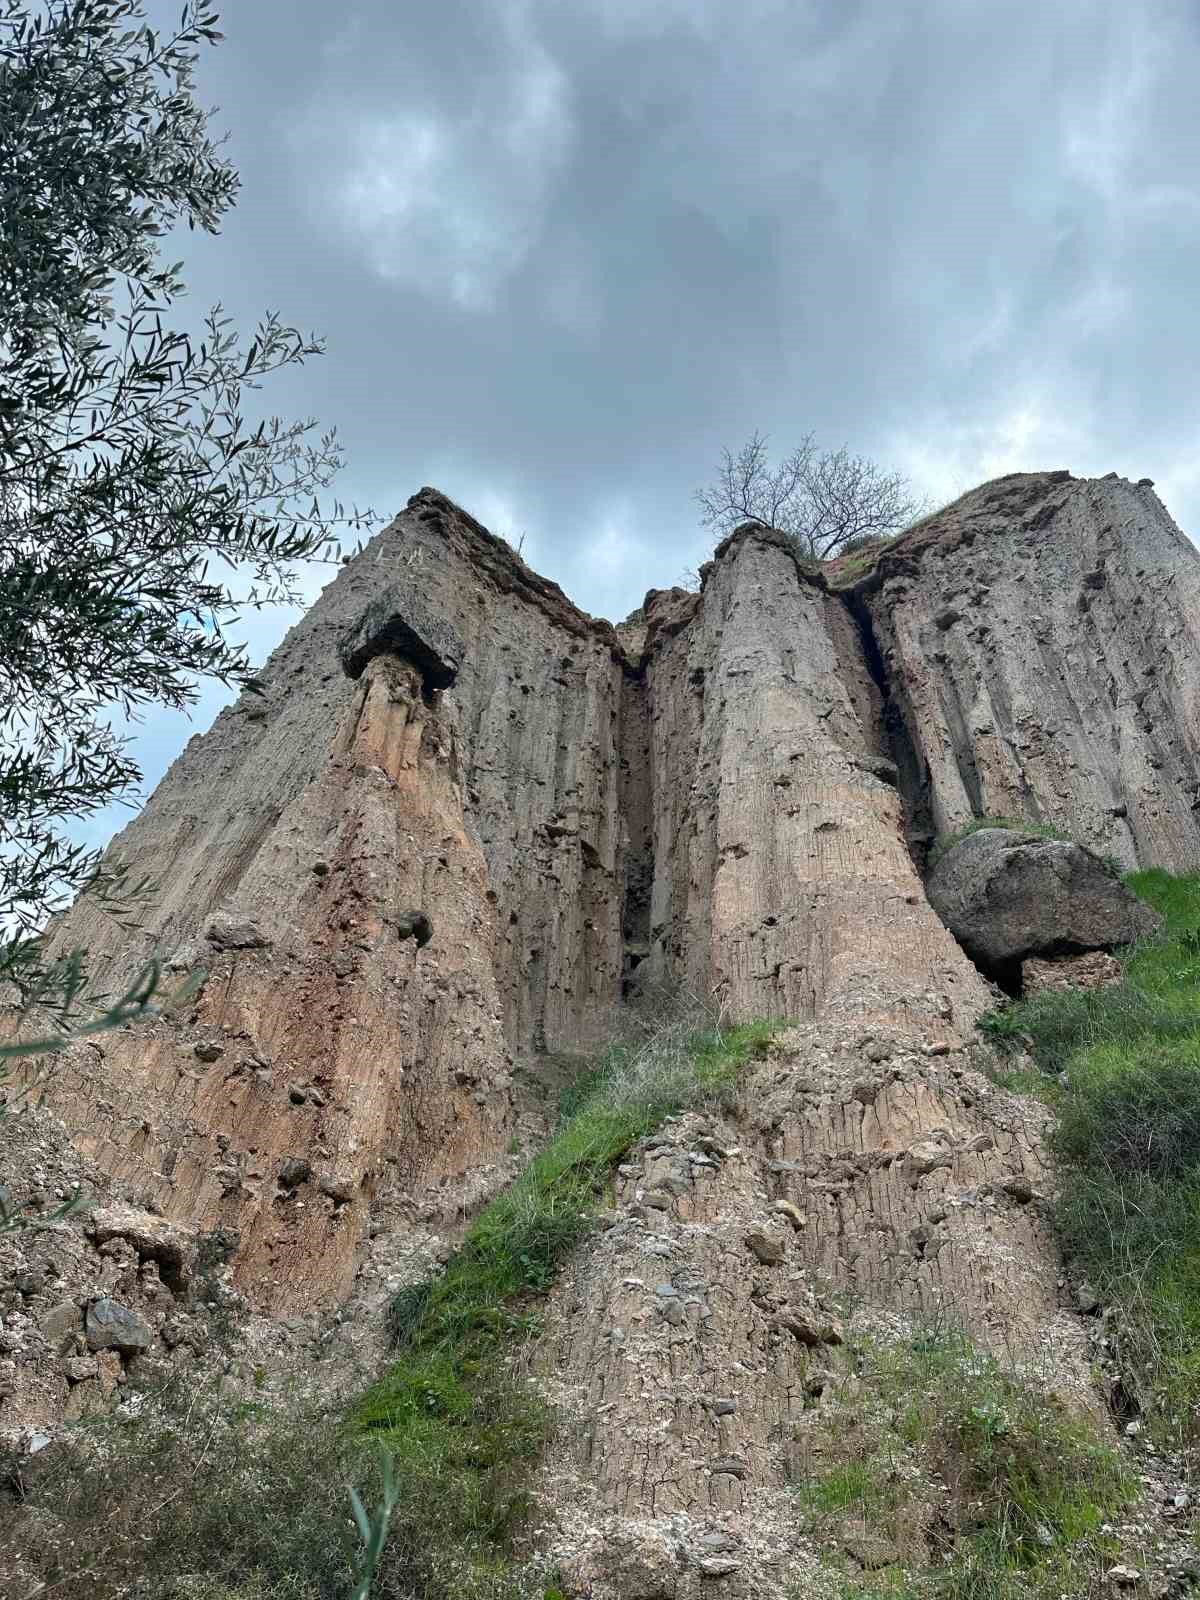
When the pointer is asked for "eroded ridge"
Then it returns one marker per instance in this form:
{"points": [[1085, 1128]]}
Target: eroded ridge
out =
{"points": [[858, 1179]]}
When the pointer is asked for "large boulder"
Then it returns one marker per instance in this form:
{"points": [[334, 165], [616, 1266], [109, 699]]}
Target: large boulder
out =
{"points": [[1006, 895]]}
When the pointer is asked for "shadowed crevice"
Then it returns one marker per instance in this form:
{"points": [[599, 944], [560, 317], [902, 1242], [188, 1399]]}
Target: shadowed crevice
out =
{"points": [[911, 780]]}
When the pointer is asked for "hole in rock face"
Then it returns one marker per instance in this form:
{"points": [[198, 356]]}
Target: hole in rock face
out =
{"points": [[630, 984], [414, 925], [1006, 975], [1123, 1405], [170, 1271]]}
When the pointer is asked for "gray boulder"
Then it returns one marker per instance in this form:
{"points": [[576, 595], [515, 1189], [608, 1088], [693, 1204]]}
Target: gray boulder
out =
{"points": [[229, 932], [112, 1326], [1006, 895]]}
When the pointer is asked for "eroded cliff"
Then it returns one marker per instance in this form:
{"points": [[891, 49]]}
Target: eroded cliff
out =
{"points": [[464, 821], [1040, 638], [782, 883], [295, 845], [733, 799]]}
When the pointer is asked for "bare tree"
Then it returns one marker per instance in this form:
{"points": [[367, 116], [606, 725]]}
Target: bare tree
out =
{"points": [[823, 500]]}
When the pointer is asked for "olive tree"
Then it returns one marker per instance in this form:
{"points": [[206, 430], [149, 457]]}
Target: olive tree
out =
{"points": [[823, 500], [140, 508]]}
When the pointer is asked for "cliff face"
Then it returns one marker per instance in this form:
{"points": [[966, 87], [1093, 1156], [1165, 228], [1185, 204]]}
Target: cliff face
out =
{"points": [[465, 819], [1040, 637], [293, 847], [782, 884]]}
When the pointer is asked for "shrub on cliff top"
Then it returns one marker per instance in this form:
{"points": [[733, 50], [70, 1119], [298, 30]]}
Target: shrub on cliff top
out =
{"points": [[823, 500]]}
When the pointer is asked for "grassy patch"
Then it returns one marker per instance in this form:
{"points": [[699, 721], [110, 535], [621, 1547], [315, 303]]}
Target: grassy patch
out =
{"points": [[1157, 1001], [202, 1498], [230, 1500], [1128, 1140], [853, 1485], [857, 557], [982, 1483]]}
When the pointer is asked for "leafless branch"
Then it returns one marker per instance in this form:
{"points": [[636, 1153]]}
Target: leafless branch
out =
{"points": [[821, 499]]}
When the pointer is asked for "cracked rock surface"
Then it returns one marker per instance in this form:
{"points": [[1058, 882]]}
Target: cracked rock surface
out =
{"points": [[1042, 639]]}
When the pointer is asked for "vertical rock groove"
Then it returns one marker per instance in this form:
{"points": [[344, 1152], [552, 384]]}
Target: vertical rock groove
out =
{"points": [[911, 778]]}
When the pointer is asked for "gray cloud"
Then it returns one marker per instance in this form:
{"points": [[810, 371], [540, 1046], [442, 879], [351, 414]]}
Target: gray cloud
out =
{"points": [[565, 253]]}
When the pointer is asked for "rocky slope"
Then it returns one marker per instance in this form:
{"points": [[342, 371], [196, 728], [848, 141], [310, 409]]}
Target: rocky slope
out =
{"points": [[465, 820], [859, 1172]]}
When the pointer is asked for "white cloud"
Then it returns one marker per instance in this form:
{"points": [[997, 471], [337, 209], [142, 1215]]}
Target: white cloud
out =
{"points": [[616, 561], [1110, 129], [1178, 487], [499, 514], [1031, 434], [448, 193]]}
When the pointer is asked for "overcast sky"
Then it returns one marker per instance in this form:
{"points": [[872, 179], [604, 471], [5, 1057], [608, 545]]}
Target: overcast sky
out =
{"points": [[565, 250]]}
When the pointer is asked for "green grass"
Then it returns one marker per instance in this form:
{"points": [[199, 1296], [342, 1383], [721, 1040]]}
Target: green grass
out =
{"points": [[855, 559], [1123, 1069], [1023, 1464], [448, 1402], [855, 1484], [201, 1497], [1021, 1486]]}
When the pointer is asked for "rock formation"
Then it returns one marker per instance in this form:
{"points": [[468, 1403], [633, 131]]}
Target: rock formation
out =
{"points": [[1007, 894], [781, 878], [463, 820], [1041, 639]]}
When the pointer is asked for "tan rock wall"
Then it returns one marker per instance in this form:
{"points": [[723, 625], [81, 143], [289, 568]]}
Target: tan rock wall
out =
{"points": [[1042, 636], [339, 1060], [304, 828], [783, 884], [718, 810], [533, 728]]}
